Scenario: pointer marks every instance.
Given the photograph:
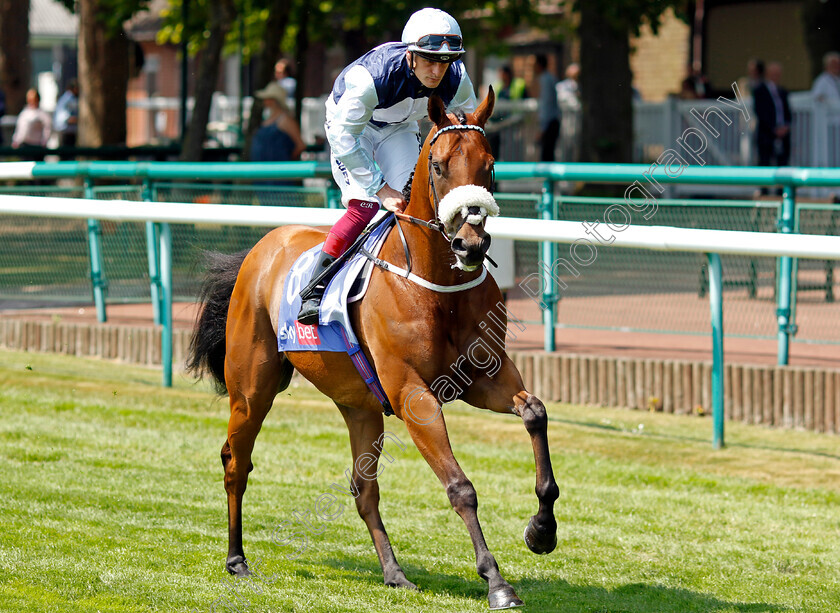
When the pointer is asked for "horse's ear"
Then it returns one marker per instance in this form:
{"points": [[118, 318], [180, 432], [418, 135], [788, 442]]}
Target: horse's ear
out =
{"points": [[485, 109], [437, 112]]}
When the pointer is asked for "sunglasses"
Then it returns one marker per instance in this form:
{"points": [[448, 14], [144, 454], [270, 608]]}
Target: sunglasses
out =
{"points": [[435, 42]]}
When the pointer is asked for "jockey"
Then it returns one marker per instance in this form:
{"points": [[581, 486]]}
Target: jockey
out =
{"points": [[372, 125]]}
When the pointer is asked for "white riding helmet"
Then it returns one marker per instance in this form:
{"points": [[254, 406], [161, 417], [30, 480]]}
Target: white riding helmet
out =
{"points": [[434, 35]]}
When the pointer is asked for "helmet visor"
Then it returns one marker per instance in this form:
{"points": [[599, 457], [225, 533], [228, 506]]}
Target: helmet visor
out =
{"points": [[436, 42]]}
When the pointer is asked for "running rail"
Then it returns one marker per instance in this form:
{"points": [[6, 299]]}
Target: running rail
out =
{"points": [[662, 238]]}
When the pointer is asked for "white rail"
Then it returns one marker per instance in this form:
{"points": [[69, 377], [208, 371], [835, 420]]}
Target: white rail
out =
{"points": [[661, 238]]}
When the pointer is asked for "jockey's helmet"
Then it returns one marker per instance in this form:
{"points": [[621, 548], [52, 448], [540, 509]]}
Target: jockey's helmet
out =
{"points": [[433, 34]]}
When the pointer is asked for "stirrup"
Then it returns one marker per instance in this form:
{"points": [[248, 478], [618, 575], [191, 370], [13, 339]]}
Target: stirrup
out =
{"points": [[311, 308], [311, 305]]}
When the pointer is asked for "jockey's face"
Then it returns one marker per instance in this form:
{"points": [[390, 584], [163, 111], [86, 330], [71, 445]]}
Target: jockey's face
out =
{"points": [[429, 73]]}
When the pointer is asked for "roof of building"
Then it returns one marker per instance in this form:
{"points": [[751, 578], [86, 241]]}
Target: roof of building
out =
{"points": [[51, 19], [146, 24]]}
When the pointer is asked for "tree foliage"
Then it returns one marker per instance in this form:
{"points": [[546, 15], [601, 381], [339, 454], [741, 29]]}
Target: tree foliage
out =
{"points": [[113, 13]]}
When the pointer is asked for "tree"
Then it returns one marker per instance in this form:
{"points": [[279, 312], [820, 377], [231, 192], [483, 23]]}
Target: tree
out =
{"points": [[15, 64], [222, 14], [104, 68], [605, 76]]}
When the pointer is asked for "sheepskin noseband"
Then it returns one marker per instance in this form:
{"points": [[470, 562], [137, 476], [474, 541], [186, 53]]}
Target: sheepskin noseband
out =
{"points": [[460, 199]]}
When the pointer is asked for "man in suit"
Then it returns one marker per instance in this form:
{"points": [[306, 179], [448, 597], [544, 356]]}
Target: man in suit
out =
{"points": [[774, 118]]}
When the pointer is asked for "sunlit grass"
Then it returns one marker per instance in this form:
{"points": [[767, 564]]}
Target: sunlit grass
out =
{"points": [[112, 500]]}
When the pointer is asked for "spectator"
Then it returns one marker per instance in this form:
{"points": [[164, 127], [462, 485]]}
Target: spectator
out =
{"points": [[695, 85], [548, 114], [568, 90], [774, 119], [755, 75], [826, 88], [284, 78], [508, 88], [278, 139], [66, 118], [34, 125]]}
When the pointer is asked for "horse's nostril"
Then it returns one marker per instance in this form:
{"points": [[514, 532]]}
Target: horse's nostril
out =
{"points": [[459, 245]]}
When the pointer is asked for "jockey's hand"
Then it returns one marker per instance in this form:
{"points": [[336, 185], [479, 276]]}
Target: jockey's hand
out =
{"points": [[391, 199]]}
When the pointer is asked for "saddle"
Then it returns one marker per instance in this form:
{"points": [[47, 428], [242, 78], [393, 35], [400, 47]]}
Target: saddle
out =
{"points": [[334, 331]]}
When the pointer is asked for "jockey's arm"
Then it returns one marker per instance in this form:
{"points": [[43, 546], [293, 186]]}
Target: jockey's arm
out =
{"points": [[344, 128]]}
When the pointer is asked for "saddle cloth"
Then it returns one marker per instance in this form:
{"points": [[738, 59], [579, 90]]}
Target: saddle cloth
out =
{"points": [[334, 332]]}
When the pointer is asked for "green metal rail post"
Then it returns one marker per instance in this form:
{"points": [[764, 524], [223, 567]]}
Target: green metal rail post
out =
{"points": [[166, 309], [786, 281], [716, 306], [153, 250], [333, 198], [549, 298], [97, 269]]}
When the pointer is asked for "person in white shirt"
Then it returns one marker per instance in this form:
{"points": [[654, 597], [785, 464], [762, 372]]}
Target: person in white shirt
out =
{"points": [[826, 88], [568, 90], [34, 125], [372, 125]]}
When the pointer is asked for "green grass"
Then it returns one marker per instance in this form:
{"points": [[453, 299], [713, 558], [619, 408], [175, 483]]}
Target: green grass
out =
{"points": [[112, 500]]}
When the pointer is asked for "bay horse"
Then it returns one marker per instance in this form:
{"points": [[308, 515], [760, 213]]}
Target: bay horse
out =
{"points": [[411, 335]]}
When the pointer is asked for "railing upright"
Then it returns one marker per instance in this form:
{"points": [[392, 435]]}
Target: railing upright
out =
{"points": [[153, 250], [716, 306], [549, 298], [166, 307], [786, 282], [97, 269]]}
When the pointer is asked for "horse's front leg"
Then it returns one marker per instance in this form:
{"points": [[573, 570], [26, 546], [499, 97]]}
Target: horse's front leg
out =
{"points": [[505, 393], [419, 409]]}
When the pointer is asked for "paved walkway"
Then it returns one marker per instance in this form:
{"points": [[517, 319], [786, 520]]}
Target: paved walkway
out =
{"points": [[569, 340]]}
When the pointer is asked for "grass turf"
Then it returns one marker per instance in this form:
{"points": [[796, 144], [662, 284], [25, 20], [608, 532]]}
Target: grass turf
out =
{"points": [[112, 500]]}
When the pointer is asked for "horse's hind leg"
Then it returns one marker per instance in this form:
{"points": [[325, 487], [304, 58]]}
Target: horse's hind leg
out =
{"points": [[366, 438], [254, 373]]}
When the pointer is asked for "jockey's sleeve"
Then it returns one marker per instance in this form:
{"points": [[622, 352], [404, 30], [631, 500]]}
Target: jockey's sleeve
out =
{"points": [[464, 99], [352, 114]]}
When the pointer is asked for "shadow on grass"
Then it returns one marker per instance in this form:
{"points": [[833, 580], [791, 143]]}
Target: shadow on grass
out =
{"points": [[693, 439], [559, 596]]}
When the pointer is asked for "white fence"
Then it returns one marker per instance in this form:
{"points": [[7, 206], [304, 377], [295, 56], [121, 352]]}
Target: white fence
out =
{"points": [[657, 126]]}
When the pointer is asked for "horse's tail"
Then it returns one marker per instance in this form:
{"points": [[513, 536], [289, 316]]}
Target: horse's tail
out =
{"points": [[206, 354]]}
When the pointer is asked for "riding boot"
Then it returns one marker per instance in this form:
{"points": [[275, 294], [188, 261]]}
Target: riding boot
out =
{"points": [[310, 307]]}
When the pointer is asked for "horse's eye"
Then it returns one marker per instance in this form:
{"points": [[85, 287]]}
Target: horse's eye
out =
{"points": [[436, 166]]}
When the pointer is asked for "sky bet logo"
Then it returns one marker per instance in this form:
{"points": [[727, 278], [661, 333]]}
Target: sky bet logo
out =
{"points": [[300, 334]]}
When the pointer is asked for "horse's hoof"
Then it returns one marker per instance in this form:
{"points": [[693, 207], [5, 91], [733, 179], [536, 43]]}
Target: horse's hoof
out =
{"points": [[238, 566], [504, 598], [403, 583], [540, 542]]}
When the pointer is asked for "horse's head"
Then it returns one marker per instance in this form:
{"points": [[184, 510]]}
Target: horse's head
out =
{"points": [[461, 177]]}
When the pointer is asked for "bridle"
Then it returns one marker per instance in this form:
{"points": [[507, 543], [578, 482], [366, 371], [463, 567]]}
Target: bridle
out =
{"points": [[436, 223]]}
